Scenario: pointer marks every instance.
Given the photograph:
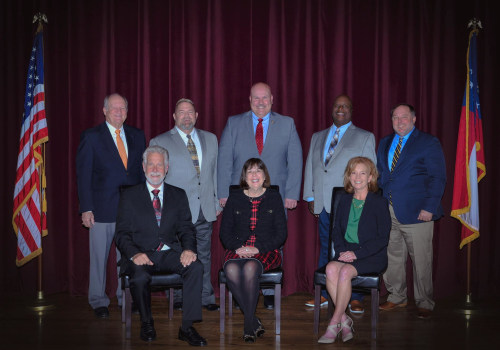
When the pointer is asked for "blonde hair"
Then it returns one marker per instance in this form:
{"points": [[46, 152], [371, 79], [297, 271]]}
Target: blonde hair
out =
{"points": [[353, 162]]}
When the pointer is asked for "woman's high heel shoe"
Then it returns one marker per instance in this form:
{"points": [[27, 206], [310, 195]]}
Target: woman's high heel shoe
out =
{"points": [[347, 329], [332, 331], [259, 332]]}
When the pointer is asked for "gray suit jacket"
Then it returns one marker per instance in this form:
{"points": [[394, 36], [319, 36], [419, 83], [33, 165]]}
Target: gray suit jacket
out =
{"points": [[282, 153], [181, 172], [318, 179]]}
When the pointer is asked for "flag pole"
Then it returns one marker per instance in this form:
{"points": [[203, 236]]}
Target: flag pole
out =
{"points": [[41, 304], [475, 24]]}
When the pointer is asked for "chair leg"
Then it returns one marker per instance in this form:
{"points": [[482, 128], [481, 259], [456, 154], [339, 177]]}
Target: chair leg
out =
{"points": [[317, 294], [375, 302], [330, 306], [170, 303], [222, 313], [230, 303], [277, 307], [123, 306], [127, 309]]}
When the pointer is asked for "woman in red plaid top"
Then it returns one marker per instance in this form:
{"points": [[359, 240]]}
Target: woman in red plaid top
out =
{"points": [[253, 229]]}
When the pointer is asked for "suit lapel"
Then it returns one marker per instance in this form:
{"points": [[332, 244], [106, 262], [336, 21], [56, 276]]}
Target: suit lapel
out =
{"points": [[110, 146], [203, 144], [148, 205], [130, 144]]}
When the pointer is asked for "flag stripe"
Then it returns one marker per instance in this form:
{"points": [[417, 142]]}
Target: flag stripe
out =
{"points": [[28, 218]]}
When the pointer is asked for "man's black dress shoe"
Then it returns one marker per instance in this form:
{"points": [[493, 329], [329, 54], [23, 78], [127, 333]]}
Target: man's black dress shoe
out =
{"points": [[269, 302], [148, 332], [177, 305], [211, 307], [101, 312], [192, 337]]}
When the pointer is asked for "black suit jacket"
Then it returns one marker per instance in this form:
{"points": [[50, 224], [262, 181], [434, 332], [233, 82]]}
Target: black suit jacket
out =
{"points": [[373, 228], [137, 230], [271, 229], [100, 172]]}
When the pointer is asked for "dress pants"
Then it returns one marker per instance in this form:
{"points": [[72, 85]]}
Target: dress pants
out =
{"points": [[100, 239], [168, 262], [203, 248], [416, 240]]}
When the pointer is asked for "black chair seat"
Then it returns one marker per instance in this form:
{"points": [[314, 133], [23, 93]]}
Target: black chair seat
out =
{"points": [[159, 281]]}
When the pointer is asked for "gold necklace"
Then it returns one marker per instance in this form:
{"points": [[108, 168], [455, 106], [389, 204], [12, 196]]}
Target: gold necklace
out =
{"points": [[357, 206]]}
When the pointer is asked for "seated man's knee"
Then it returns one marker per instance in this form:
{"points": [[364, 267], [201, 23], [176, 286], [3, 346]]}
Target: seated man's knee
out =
{"points": [[140, 276]]}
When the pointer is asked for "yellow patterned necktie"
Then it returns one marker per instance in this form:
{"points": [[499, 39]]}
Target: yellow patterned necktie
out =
{"points": [[194, 155]]}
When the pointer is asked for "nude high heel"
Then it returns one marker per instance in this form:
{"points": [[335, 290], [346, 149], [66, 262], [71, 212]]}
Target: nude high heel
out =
{"points": [[347, 329], [332, 331]]}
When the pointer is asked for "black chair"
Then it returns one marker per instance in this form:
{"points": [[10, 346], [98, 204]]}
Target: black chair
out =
{"points": [[369, 283], [272, 278], [158, 282]]}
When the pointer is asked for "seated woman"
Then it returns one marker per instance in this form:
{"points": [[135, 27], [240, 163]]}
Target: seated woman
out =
{"points": [[360, 236], [253, 229]]}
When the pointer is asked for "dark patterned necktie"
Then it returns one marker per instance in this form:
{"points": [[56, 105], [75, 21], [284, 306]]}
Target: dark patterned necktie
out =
{"points": [[331, 149], [157, 205], [397, 152], [194, 155], [259, 136], [395, 158]]}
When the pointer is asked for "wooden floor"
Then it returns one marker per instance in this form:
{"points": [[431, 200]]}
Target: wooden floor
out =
{"points": [[72, 325]]}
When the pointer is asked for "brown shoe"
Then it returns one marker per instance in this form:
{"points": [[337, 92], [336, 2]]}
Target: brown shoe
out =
{"points": [[424, 314], [390, 306], [356, 307], [322, 302]]}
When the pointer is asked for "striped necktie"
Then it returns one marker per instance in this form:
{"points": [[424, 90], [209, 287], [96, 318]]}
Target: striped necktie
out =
{"points": [[194, 154], [397, 152], [331, 149]]}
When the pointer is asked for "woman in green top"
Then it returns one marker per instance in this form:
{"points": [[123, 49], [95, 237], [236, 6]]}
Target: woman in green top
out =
{"points": [[361, 235]]}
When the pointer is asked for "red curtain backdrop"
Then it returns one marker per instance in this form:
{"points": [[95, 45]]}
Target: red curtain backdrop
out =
{"points": [[155, 52]]}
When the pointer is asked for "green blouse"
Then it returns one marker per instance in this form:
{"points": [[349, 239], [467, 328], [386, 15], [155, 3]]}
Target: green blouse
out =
{"points": [[351, 234]]}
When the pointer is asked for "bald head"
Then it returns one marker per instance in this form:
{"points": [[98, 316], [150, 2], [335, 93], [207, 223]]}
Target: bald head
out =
{"points": [[261, 99]]}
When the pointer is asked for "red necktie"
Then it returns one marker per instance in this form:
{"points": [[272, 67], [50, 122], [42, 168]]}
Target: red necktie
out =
{"points": [[157, 205], [259, 136]]}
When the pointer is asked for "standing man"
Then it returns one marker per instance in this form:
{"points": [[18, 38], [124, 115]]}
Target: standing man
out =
{"points": [[108, 157], [193, 160], [272, 137], [329, 152], [413, 177], [154, 232]]}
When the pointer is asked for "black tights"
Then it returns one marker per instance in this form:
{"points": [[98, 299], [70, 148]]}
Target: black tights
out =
{"points": [[243, 281]]}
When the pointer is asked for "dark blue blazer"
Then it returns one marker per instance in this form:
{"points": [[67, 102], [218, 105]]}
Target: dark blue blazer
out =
{"points": [[100, 172], [373, 230], [419, 178]]}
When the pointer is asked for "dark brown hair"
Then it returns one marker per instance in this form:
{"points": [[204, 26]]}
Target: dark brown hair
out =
{"points": [[249, 164]]}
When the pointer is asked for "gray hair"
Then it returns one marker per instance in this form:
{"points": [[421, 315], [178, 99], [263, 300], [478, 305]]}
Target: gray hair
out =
{"points": [[155, 149], [187, 100], [106, 100]]}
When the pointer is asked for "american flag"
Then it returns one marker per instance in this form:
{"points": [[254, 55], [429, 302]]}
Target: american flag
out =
{"points": [[470, 165], [28, 219]]}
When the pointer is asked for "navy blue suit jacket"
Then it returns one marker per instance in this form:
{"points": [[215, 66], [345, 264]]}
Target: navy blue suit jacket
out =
{"points": [[100, 172], [419, 178]]}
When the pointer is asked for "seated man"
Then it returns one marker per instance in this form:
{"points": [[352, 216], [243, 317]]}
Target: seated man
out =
{"points": [[155, 234]]}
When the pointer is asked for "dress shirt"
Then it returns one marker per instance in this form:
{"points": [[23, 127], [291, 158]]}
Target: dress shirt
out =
{"points": [[265, 125], [112, 130], [196, 140], [394, 144], [160, 194]]}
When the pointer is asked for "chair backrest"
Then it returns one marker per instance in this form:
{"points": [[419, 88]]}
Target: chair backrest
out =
{"points": [[337, 193]]}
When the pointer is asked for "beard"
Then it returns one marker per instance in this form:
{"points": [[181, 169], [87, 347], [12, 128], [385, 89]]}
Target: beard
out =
{"points": [[153, 181]]}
